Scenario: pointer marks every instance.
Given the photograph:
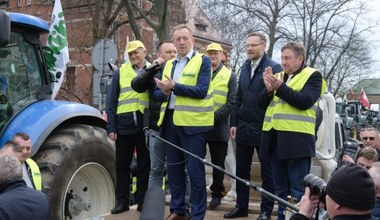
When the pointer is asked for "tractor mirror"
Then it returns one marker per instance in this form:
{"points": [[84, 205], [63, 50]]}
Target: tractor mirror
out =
{"points": [[5, 27]]}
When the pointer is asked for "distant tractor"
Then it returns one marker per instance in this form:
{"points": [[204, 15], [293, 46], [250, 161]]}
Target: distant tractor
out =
{"points": [[351, 111], [69, 139]]}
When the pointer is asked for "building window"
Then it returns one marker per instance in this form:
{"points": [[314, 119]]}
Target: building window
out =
{"points": [[19, 2], [201, 27], [28, 2], [4, 4]]}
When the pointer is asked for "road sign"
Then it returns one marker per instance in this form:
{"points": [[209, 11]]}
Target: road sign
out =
{"points": [[104, 51]]}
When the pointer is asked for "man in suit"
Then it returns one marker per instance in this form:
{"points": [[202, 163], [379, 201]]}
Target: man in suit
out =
{"points": [[246, 123], [186, 116], [288, 137]]}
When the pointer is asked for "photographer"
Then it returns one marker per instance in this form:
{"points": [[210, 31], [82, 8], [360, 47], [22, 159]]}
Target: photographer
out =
{"points": [[366, 157], [350, 194]]}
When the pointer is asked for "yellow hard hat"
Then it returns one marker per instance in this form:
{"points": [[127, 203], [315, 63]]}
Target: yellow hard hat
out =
{"points": [[214, 46], [134, 45]]}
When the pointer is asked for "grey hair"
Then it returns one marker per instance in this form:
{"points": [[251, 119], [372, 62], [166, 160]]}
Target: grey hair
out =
{"points": [[297, 48], [11, 168]]}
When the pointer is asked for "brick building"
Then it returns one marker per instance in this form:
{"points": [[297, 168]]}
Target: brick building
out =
{"points": [[80, 23]]}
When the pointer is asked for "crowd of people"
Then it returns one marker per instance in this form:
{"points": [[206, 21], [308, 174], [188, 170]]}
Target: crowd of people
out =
{"points": [[193, 100], [188, 101]]}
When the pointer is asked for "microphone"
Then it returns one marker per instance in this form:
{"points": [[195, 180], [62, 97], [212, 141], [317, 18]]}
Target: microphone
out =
{"points": [[152, 66], [154, 204]]}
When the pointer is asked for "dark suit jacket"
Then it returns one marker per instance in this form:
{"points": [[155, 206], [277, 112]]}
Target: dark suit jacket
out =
{"points": [[247, 117], [291, 145]]}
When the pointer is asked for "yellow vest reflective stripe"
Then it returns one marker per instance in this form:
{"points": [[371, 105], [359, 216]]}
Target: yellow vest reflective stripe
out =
{"points": [[36, 174], [189, 111], [284, 117], [129, 100], [220, 87]]}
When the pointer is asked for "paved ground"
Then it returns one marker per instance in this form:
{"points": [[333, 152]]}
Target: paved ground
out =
{"points": [[227, 204], [133, 214]]}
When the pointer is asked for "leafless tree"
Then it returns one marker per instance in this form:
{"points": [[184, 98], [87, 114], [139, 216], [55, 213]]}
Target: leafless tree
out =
{"points": [[332, 31], [155, 16], [245, 16], [334, 38]]}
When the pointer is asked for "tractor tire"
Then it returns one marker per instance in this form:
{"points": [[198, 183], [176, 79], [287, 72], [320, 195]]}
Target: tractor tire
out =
{"points": [[77, 164]]}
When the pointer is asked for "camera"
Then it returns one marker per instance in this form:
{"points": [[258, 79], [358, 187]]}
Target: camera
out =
{"points": [[351, 147], [317, 186]]}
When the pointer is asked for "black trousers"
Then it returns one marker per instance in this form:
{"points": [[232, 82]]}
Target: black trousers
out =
{"points": [[125, 146], [218, 152], [244, 155]]}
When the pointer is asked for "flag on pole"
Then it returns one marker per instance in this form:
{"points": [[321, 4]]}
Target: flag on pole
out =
{"points": [[57, 52], [126, 58], [351, 95], [363, 99]]}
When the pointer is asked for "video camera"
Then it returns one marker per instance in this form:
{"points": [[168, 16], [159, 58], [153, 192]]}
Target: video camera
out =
{"points": [[351, 147]]}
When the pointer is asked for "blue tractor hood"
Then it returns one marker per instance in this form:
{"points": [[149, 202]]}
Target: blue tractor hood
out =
{"points": [[40, 119]]}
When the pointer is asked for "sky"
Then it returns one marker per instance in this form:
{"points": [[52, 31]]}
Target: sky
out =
{"points": [[375, 38]]}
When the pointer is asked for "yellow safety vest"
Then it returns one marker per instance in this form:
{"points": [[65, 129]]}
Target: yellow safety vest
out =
{"points": [[189, 111], [284, 117], [34, 170], [129, 100], [220, 87]]}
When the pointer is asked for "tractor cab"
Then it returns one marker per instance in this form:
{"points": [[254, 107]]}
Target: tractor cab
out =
{"points": [[23, 78]]}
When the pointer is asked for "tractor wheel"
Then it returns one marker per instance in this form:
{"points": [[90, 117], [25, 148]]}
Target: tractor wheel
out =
{"points": [[78, 172]]}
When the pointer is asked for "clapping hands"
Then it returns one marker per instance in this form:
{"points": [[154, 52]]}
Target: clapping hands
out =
{"points": [[270, 81]]}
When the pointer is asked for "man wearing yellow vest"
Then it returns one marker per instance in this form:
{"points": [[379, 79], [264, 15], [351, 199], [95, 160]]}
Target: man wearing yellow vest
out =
{"points": [[224, 86], [186, 116], [125, 125], [31, 171], [288, 137]]}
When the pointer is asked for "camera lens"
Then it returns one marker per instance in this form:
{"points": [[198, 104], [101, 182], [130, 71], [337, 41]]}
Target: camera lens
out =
{"points": [[316, 184]]}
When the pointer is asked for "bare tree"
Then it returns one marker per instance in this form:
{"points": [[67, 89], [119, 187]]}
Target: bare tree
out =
{"points": [[245, 16], [332, 31], [156, 17], [333, 37]]}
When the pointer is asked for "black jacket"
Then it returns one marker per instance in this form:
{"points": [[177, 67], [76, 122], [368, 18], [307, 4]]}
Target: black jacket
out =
{"points": [[291, 145], [247, 116], [17, 201], [141, 83]]}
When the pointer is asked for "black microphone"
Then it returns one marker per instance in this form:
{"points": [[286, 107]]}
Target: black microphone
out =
{"points": [[154, 204]]}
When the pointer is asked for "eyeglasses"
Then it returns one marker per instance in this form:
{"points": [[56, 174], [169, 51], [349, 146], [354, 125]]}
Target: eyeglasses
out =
{"points": [[370, 138], [254, 45]]}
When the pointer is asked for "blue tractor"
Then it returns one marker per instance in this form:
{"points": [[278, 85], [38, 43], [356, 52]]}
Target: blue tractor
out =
{"points": [[69, 139]]}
